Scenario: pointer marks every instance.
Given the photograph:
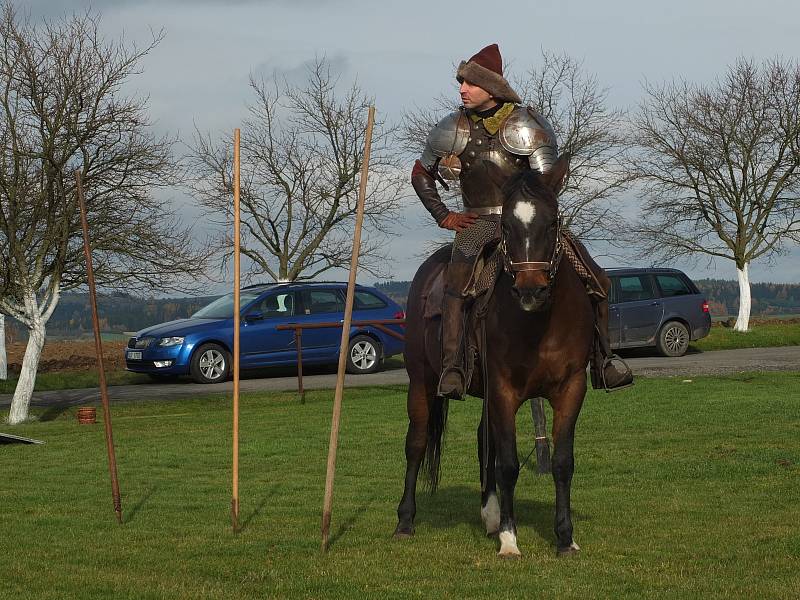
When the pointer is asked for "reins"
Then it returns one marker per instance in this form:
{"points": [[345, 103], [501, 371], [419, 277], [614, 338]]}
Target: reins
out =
{"points": [[512, 268]]}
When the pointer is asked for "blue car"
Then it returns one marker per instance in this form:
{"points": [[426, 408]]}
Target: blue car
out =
{"points": [[201, 345]]}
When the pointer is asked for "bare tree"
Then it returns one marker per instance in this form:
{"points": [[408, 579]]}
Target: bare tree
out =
{"points": [[62, 109], [302, 150], [719, 165], [576, 106], [592, 132]]}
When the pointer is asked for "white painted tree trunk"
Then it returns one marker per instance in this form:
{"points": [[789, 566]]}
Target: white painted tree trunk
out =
{"points": [[743, 320], [35, 316], [3, 357], [20, 403]]}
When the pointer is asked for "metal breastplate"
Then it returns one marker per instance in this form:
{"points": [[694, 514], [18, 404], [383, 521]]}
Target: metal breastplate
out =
{"points": [[479, 186]]}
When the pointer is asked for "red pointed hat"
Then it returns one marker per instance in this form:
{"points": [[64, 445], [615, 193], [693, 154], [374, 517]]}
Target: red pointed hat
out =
{"points": [[485, 69]]}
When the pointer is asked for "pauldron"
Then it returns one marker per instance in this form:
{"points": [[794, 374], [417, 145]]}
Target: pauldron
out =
{"points": [[524, 134]]}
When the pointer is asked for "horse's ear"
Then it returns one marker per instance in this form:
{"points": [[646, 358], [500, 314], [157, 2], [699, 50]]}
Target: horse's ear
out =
{"points": [[555, 177]]}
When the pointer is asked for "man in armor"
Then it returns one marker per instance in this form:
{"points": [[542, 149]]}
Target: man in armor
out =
{"points": [[491, 127]]}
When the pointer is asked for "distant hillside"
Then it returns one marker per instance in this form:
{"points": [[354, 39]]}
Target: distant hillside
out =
{"points": [[117, 313], [122, 312]]}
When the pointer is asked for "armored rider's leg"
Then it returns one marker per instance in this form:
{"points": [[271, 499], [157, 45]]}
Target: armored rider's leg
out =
{"points": [[451, 383], [604, 372]]}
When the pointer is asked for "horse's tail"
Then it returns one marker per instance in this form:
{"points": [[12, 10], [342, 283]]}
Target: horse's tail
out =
{"points": [[437, 423]]}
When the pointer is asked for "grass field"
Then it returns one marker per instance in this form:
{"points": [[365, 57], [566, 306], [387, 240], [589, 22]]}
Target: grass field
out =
{"points": [[761, 335], [681, 490]]}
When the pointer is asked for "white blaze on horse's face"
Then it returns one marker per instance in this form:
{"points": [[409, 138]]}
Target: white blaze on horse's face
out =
{"points": [[525, 212]]}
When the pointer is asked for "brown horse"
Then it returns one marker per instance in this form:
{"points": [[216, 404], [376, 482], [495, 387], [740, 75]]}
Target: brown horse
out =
{"points": [[539, 331]]}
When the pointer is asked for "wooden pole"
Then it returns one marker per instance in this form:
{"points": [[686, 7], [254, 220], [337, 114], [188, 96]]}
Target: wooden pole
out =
{"points": [[98, 347], [236, 285], [541, 443], [348, 313], [298, 335]]}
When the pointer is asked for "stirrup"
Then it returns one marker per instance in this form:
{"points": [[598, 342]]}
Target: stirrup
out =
{"points": [[452, 395], [599, 375]]}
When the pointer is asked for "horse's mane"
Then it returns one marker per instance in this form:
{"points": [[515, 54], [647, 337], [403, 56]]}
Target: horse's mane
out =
{"points": [[528, 182]]}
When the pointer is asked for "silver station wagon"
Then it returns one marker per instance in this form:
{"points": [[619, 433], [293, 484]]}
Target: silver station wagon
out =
{"points": [[656, 307]]}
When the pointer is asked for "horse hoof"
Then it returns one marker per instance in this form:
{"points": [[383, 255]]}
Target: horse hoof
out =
{"points": [[570, 550], [508, 545], [403, 533]]}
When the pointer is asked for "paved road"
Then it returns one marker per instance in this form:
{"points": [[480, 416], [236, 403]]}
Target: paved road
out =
{"points": [[701, 363]]}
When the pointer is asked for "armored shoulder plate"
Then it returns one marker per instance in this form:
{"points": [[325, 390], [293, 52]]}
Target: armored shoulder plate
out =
{"points": [[527, 133], [450, 135]]}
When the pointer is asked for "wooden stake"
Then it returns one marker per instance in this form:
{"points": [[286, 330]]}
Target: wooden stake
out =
{"points": [[236, 285], [348, 313], [541, 443], [98, 347]]}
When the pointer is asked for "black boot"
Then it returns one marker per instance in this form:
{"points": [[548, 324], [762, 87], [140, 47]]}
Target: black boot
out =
{"points": [[603, 371], [451, 383]]}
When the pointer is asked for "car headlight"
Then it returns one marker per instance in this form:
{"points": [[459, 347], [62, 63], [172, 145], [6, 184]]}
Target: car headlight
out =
{"points": [[170, 341]]}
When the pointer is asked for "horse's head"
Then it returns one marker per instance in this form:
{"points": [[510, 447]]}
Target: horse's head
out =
{"points": [[531, 233]]}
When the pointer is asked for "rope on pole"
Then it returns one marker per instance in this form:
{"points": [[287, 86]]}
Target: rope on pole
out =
{"points": [[98, 346], [348, 313]]}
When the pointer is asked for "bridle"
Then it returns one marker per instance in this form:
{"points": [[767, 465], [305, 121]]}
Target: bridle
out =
{"points": [[512, 268]]}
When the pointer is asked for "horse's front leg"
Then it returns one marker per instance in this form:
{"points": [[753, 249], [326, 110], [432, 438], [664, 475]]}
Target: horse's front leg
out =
{"points": [[490, 507], [416, 442], [566, 406], [503, 423]]}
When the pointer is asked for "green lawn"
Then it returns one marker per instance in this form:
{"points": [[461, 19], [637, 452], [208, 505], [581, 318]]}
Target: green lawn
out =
{"points": [[681, 490], [761, 335]]}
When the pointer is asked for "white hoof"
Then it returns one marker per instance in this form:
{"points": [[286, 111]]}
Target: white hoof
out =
{"points": [[508, 545], [490, 515]]}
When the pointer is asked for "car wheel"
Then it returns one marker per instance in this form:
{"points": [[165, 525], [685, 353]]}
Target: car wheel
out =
{"points": [[363, 355], [210, 364], [673, 339]]}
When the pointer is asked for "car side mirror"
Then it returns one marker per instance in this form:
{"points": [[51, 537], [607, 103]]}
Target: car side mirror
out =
{"points": [[256, 315]]}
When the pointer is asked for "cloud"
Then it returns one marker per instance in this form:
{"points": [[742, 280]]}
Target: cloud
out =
{"points": [[276, 69], [57, 8]]}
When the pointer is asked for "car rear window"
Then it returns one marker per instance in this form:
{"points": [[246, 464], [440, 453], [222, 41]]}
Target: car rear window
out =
{"points": [[366, 301], [317, 302], [672, 285], [634, 287]]}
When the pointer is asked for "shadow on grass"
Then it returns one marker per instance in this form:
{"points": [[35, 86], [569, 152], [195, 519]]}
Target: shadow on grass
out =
{"points": [[54, 411], [256, 511], [350, 521], [452, 506], [131, 514]]}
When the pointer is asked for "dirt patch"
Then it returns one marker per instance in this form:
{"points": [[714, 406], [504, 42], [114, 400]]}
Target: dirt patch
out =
{"points": [[77, 355]]}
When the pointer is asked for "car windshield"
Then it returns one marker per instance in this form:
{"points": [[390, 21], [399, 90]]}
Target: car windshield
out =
{"points": [[222, 308]]}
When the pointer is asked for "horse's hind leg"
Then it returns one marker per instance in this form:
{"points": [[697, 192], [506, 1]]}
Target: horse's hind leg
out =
{"points": [[416, 441], [490, 507], [566, 407]]}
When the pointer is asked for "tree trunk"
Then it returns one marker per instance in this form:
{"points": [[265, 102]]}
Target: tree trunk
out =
{"points": [[3, 357], [21, 401], [743, 320]]}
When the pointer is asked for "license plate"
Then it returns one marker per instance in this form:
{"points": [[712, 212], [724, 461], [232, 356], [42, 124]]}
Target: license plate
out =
{"points": [[134, 356]]}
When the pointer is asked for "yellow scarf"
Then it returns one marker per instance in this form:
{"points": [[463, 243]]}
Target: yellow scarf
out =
{"points": [[493, 123]]}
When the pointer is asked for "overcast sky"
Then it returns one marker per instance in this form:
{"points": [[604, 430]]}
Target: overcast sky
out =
{"points": [[404, 53]]}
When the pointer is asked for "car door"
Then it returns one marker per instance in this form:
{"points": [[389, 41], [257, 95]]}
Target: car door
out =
{"points": [[640, 311], [321, 305], [262, 344], [613, 314]]}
